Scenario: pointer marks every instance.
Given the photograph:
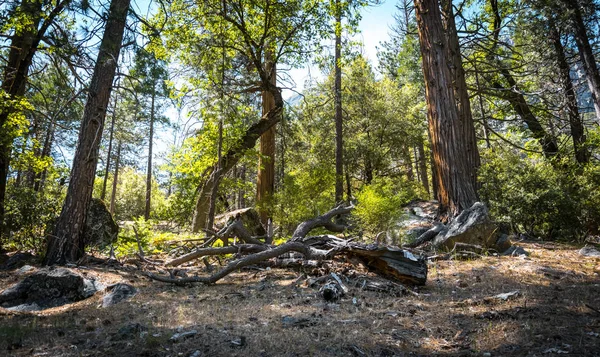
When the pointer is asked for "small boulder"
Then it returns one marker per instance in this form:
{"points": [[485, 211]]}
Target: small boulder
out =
{"points": [[17, 260], [117, 293], [129, 332], [100, 227], [249, 217], [48, 288], [503, 243], [588, 251], [472, 226], [515, 251]]}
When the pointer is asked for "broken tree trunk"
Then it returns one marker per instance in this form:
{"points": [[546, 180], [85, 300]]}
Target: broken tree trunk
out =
{"points": [[391, 262]]}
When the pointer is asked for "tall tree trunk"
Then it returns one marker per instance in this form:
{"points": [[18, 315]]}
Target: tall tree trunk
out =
{"points": [[265, 181], [113, 194], [149, 168], [577, 130], [585, 52], [241, 202], [23, 46], [456, 191], [67, 242], [110, 140], [339, 142], [423, 166], [463, 104]]}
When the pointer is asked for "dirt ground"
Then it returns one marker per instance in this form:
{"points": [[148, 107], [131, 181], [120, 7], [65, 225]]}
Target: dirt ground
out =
{"points": [[273, 313]]}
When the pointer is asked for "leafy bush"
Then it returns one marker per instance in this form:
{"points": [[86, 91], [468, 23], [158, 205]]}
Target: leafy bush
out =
{"points": [[551, 200], [380, 203]]}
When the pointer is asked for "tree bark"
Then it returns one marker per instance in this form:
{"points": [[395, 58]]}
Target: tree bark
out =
{"points": [[149, 167], [110, 140], [113, 194], [423, 166], [564, 70], [454, 179], [67, 242], [463, 104], [339, 142], [585, 52], [265, 181]]}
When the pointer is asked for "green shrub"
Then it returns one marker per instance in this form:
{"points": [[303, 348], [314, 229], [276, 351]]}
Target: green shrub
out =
{"points": [[542, 199], [380, 203]]}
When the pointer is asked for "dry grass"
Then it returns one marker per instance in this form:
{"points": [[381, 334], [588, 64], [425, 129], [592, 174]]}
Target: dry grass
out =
{"points": [[450, 317]]}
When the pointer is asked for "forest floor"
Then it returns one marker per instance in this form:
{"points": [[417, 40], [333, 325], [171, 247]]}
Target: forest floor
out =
{"points": [[265, 313]]}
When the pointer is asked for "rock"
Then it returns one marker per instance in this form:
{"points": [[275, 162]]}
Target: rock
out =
{"points": [[117, 293], [179, 336], [588, 251], [25, 269], [515, 251], [250, 220], [129, 332], [48, 288], [17, 260], [196, 353], [472, 226], [100, 227], [503, 243]]}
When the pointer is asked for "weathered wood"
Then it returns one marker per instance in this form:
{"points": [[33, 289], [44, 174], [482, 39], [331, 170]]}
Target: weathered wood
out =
{"points": [[322, 221], [393, 262]]}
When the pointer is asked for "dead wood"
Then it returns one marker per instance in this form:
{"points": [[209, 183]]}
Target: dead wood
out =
{"points": [[324, 221], [270, 252], [391, 262], [202, 252]]}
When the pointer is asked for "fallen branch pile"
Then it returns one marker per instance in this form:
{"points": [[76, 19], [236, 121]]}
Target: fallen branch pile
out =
{"points": [[391, 262]]}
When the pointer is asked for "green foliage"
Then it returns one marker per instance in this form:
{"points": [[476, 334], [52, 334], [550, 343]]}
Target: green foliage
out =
{"points": [[130, 197], [534, 196], [380, 203], [30, 214]]}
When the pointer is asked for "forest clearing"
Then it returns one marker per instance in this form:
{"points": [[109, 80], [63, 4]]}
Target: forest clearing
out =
{"points": [[277, 313]]}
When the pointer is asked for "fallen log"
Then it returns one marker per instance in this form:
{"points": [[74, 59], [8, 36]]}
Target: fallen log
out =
{"points": [[391, 262]]}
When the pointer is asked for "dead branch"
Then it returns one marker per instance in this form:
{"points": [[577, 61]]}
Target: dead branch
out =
{"points": [[201, 252], [322, 221], [308, 252]]}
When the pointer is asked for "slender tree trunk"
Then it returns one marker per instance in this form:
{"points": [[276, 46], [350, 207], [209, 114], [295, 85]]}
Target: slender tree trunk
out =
{"points": [[585, 52], [456, 191], [463, 104], [265, 181], [110, 140], [241, 203], [408, 163], [149, 168], [23, 46], [113, 194], [577, 130], [423, 166], [215, 184], [348, 185], [67, 242], [339, 142]]}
